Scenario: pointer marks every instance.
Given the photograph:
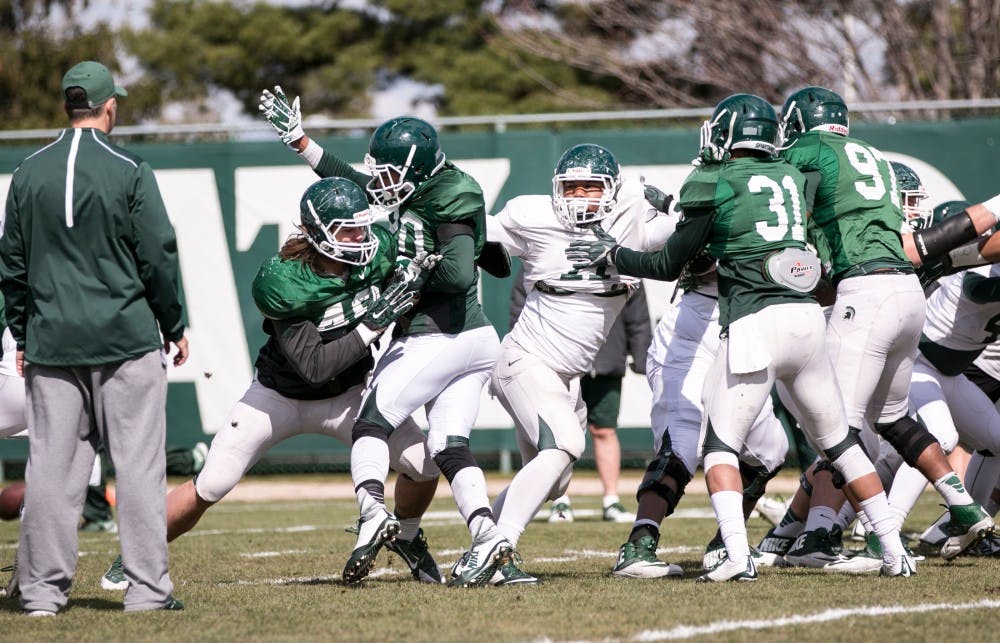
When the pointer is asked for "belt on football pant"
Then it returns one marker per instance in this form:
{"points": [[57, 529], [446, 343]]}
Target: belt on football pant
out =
{"points": [[548, 289]]}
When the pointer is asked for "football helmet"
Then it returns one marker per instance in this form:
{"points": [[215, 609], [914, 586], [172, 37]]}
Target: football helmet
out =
{"points": [[948, 209], [813, 108], [912, 193], [403, 153], [590, 163], [742, 121], [332, 211]]}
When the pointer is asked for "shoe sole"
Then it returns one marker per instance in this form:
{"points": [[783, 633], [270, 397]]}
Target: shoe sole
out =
{"points": [[362, 566], [673, 572], [955, 545], [812, 563], [112, 586], [875, 567]]}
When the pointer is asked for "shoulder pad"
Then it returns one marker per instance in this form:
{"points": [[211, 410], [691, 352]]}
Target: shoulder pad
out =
{"points": [[450, 195], [290, 290], [700, 188]]}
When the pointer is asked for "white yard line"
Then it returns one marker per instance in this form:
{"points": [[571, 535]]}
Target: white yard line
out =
{"points": [[718, 627]]}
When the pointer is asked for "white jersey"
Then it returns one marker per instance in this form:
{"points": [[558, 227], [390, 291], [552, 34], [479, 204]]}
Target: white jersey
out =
{"points": [[566, 330], [959, 324], [989, 360]]}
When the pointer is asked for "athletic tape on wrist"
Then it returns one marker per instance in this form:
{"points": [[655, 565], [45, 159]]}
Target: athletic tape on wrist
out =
{"points": [[312, 154]]}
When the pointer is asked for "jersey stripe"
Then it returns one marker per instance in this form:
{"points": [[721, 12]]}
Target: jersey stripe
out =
{"points": [[74, 148]]}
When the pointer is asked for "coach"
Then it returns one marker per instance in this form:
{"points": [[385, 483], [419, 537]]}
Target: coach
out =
{"points": [[88, 267]]}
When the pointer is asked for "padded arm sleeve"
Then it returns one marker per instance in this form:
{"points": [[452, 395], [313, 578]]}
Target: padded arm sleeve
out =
{"points": [[456, 271], [936, 241], [314, 361]]}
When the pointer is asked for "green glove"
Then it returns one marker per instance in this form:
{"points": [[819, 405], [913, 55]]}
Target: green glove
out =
{"points": [[658, 198], [587, 253], [402, 291], [285, 118]]}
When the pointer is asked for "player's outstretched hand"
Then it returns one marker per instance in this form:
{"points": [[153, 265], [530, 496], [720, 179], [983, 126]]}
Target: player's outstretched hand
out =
{"points": [[284, 117], [587, 253], [658, 198]]}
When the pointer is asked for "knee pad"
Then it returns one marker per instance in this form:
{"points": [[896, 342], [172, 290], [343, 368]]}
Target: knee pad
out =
{"points": [[212, 485], [908, 437], [853, 464], [367, 429], [453, 459], [665, 464], [838, 477], [758, 478]]}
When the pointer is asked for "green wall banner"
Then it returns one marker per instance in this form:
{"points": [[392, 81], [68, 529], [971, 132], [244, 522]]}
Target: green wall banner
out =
{"points": [[232, 203]]}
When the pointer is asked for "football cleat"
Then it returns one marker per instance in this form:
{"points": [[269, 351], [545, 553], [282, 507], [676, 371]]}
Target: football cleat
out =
{"points": [[372, 534], [968, 525], [774, 544], [988, 547], [858, 533], [715, 551], [417, 557], [767, 559], [771, 509], [561, 512], [12, 589], [868, 560], [730, 570], [903, 567], [812, 549], [114, 579], [934, 536], [615, 512], [837, 539], [173, 604], [478, 565], [510, 574], [638, 560]]}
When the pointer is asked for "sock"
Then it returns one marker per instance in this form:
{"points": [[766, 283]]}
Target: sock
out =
{"points": [[952, 490], [981, 478], [369, 462], [408, 528], [644, 527], [790, 526], [482, 527], [820, 517], [529, 490], [469, 489], [883, 524], [728, 506], [371, 498], [846, 515], [610, 500], [905, 491], [562, 499]]}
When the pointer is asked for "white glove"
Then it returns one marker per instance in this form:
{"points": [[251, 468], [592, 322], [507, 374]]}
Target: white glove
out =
{"points": [[285, 118]]}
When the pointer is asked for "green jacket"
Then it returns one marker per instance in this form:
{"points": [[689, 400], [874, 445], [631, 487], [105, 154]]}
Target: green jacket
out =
{"points": [[88, 258]]}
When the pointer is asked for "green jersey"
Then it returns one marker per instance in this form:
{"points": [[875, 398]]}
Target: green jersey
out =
{"points": [[743, 210], [444, 208], [854, 203], [288, 291]]}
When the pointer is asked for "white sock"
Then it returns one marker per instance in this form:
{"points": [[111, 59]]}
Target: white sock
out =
{"points": [[846, 515], [820, 517], [529, 490], [369, 460], [469, 489], [610, 500], [728, 506], [906, 488], [790, 526], [564, 499], [884, 525], [952, 490]]}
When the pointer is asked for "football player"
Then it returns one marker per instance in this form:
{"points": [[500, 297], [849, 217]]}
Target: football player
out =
{"points": [[876, 320], [747, 205], [444, 348], [327, 295], [565, 320]]}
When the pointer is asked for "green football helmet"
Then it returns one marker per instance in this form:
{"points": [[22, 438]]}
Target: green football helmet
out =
{"points": [[912, 193], [742, 121], [813, 108], [588, 163], [948, 209], [403, 153], [337, 221]]}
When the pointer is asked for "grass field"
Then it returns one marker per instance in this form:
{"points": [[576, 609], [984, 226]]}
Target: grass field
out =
{"points": [[271, 571]]}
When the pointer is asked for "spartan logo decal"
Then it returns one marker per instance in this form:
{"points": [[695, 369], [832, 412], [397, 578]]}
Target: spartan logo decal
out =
{"points": [[849, 313]]}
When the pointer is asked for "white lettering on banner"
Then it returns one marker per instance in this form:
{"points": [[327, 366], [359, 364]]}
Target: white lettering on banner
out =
{"points": [[270, 196], [219, 365]]}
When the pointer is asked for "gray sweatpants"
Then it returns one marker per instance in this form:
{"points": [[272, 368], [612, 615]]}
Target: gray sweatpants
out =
{"points": [[70, 412]]}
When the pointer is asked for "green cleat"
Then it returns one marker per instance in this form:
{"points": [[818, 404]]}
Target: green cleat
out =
{"points": [[638, 560], [510, 574], [968, 525], [374, 532], [417, 557], [114, 579]]}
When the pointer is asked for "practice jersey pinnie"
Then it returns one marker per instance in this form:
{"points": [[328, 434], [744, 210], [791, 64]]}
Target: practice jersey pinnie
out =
{"points": [[852, 193], [757, 208], [963, 318], [289, 290], [449, 197]]}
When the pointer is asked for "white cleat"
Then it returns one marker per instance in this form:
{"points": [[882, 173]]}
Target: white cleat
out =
{"points": [[731, 570]]}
